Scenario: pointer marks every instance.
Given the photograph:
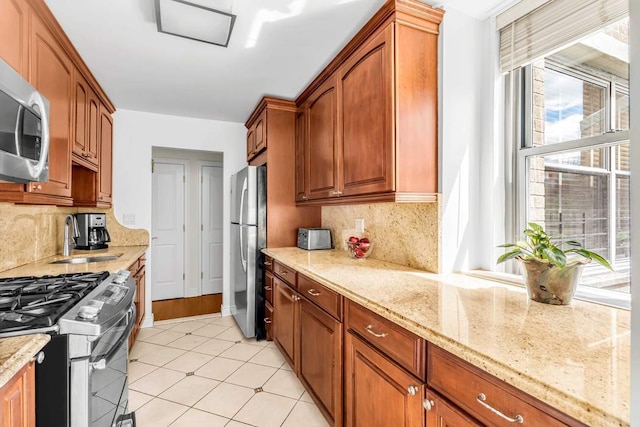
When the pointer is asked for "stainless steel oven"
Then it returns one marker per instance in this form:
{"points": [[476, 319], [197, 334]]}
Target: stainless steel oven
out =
{"points": [[98, 332]]}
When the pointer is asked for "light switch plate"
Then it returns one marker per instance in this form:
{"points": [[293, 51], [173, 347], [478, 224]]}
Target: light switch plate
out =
{"points": [[360, 225], [129, 219]]}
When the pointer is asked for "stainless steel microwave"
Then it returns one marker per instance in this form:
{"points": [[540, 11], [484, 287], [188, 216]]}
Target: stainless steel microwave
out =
{"points": [[24, 129]]}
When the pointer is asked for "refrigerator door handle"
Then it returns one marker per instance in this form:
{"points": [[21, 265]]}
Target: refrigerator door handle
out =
{"points": [[245, 188], [243, 258]]}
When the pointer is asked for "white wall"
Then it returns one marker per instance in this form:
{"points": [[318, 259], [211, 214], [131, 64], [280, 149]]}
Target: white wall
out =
{"points": [[464, 98], [135, 133], [635, 209]]}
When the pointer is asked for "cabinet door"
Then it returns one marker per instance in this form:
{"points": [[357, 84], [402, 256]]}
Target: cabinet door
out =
{"points": [[441, 413], [285, 320], [140, 289], [366, 108], [321, 358], [261, 132], [378, 393], [14, 34], [106, 160], [51, 73], [321, 147], [92, 148], [17, 399], [251, 143], [80, 116], [268, 320], [301, 158]]}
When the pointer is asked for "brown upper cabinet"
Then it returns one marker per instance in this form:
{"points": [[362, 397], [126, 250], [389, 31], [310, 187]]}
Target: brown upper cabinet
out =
{"points": [[14, 34], [86, 127], [271, 131], [370, 131], [32, 42]]}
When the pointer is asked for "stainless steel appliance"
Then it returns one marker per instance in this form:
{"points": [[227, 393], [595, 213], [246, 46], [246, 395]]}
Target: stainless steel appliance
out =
{"points": [[92, 231], [82, 379], [24, 129], [248, 237], [312, 239]]}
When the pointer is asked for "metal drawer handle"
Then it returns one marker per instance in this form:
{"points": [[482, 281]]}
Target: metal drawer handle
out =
{"points": [[369, 328], [267, 320], [313, 293], [267, 288], [283, 272], [412, 390], [481, 399], [428, 404], [267, 263]]}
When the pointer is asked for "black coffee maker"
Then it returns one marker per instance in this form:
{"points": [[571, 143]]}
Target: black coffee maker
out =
{"points": [[93, 231]]}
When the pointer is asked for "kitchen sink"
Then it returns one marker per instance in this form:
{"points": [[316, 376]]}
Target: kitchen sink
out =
{"points": [[84, 260]]}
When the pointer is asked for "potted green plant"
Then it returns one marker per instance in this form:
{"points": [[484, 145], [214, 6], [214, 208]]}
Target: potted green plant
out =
{"points": [[549, 275]]}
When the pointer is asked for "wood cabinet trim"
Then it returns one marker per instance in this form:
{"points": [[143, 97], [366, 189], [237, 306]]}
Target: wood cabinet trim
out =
{"points": [[271, 103]]}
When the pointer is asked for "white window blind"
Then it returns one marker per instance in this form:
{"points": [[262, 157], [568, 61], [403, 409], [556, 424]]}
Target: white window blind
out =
{"points": [[554, 25]]}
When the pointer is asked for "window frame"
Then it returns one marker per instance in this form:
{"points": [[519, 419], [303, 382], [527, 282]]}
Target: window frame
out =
{"points": [[520, 150]]}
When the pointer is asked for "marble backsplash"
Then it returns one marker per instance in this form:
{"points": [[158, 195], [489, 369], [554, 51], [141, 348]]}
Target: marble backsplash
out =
{"points": [[403, 233], [29, 233]]}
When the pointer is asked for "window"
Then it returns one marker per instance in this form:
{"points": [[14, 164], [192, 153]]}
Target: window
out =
{"points": [[571, 115]]}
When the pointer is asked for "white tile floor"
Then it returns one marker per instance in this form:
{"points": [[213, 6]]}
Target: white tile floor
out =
{"points": [[203, 372]]}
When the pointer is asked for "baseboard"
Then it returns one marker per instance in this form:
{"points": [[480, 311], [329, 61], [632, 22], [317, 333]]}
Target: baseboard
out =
{"points": [[227, 310], [186, 307], [147, 322]]}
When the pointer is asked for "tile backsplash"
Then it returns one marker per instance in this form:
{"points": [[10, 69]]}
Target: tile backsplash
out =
{"points": [[29, 233], [402, 233]]}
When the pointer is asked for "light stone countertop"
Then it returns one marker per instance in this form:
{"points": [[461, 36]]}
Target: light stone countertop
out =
{"points": [[129, 254], [575, 358], [15, 352]]}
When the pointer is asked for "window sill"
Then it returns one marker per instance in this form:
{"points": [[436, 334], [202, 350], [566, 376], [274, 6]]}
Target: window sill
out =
{"points": [[584, 293]]}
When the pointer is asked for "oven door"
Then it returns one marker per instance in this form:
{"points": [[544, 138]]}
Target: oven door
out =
{"points": [[108, 375]]}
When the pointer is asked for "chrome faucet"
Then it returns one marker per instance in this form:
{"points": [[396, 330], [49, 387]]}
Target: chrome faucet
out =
{"points": [[68, 243]]}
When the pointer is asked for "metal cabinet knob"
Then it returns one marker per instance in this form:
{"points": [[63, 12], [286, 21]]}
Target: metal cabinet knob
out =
{"points": [[412, 390], [428, 404], [38, 358]]}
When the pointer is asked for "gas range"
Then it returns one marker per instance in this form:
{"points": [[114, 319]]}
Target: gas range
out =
{"points": [[82, 379], [36, 304]]}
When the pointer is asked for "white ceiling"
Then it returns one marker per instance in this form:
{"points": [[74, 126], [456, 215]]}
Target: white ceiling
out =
{"points": [[277, 48]]}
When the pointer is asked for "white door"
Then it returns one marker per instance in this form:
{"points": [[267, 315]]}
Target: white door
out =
{"points": [[168, 231], [211, 229]]}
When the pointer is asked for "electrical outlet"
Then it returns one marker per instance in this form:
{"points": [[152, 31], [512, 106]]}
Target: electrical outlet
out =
{"points": [[129, 219], [360, 225]]}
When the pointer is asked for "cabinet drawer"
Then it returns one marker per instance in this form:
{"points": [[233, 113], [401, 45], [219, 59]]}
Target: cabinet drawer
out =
{"points": [[134, 267], [141, 261], [287, 274], [476, 392], [322, 296], [268, 263], [404, 347], [268, 320], [268, 287]]}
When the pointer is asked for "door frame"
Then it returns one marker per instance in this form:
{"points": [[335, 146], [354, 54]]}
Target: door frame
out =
{"points": [[199, 165], [185, 183]]}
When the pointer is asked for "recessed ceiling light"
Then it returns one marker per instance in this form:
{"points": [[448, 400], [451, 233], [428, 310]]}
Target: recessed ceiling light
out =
{"points": [[195, 22]]}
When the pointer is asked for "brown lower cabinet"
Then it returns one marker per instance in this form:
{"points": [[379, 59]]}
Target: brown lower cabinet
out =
{"points": [[309, 334], [137, 271], [320, 364], [17, 399], [370, 372], [378, 393]]}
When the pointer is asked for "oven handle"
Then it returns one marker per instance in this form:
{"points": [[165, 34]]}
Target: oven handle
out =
{"points": [[102, 363]]}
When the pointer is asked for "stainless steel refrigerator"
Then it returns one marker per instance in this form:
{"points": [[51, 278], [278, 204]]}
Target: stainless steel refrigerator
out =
{"points": [[248, 237]]}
